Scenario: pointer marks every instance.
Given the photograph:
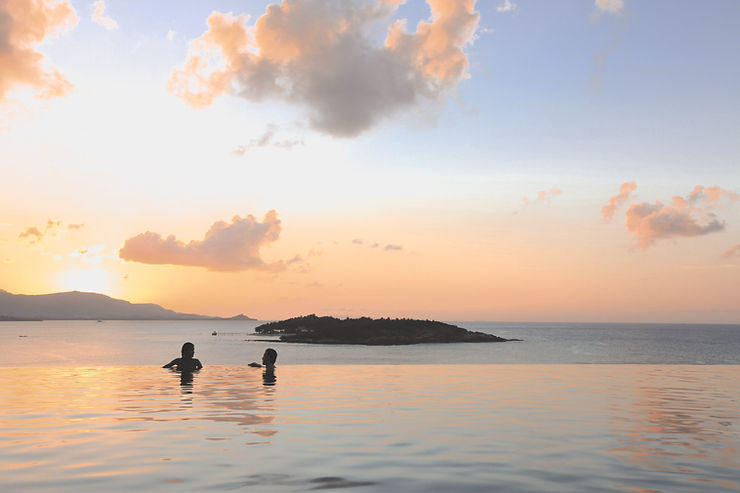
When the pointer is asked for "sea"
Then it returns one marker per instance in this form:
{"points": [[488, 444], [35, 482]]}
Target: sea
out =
{"points": [[86, 406]]}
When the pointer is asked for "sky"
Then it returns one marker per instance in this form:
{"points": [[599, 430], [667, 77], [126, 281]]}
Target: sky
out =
{"points": [[507, 160]]}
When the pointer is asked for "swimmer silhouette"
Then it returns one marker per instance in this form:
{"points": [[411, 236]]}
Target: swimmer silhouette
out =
{"points": [[268, 360], [186, 363]]}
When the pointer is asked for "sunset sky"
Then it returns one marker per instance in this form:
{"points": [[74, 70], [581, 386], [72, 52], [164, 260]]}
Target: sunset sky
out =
{"points": [[513, 160]]}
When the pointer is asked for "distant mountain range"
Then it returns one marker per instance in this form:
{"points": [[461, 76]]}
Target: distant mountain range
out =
{"points": [[76, 305]]}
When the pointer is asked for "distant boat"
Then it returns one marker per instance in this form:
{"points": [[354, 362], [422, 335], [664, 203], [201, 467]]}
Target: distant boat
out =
{"points": [[99, 321], [214, 333]]}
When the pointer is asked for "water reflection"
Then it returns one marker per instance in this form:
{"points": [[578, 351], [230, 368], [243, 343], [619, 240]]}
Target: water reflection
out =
{"points": [[678, 421], [382, 428], [268, 376]]}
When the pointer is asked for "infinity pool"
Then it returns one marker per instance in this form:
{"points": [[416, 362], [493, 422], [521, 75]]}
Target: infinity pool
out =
{"points": [[372, 428]]}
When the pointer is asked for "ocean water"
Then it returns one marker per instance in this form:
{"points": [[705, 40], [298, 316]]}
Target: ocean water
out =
{"points": [[372, 428], [89, 343], [574, 407]]}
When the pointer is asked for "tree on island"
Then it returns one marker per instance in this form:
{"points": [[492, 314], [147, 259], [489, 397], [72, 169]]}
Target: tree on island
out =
{"points": [[369, 331]]}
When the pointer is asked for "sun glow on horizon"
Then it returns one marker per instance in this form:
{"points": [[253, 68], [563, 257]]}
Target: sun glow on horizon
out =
{"points": [[86, 280]]}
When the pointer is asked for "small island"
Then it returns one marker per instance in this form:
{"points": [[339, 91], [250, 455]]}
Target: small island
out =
{"points": [[371, 332]]}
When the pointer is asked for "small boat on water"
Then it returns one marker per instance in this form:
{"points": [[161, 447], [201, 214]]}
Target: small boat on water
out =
{"points": [[214, 333]]}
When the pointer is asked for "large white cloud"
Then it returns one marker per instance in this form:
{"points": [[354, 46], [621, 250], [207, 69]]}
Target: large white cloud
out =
{"points": [[23, 25], [322, 56], [225, 247]]}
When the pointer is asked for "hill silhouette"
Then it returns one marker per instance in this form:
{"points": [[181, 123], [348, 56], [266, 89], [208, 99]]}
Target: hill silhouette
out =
{"points": [[77, 305]]}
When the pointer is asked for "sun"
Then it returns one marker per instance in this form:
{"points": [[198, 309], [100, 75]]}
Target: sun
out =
{"points": [[88, 280]]}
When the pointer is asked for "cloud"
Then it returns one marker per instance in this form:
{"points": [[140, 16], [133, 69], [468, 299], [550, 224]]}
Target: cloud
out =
{"points": [[683, 217], [94, 254], [710, 197], [225, 247], [23, 25], [618, 200], [171, 35], [75, 226], [543, 196], [507, 6], [323, 57], [100, 18], [609, 6], [388, 247], [734, 251], [35, 235], [265, 140]]}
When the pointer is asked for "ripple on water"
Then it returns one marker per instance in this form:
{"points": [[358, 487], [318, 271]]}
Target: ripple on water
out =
{"points": [[372, 428]]}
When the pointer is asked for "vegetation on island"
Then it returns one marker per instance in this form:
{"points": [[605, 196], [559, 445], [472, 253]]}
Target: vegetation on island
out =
{"points": [[371, 332]]}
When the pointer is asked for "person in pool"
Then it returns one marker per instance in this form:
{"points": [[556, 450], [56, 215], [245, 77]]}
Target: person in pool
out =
{"points": [[186, 363], [268, 360]]}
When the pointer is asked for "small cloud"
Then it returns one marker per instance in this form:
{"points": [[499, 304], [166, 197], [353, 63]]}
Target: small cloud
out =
{"points": [[33, 234], [75, 226], [618, 200], [543, 196], [390, 247], [294, 260], [265, 140], [507, 6], [734, 251], [225, 247], [171, 35], [375, 245], [94, 254], [100, 18], [357, 241], [609, 6], [683, 217], [36, 235]]}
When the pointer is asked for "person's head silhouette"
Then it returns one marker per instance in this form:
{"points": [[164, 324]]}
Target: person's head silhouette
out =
{"points": [[188, 350], [269, 358], [186, 362]]}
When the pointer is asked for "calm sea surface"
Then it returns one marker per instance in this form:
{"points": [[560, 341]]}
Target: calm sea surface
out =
{"points": [[75, 343], [84, 406]]}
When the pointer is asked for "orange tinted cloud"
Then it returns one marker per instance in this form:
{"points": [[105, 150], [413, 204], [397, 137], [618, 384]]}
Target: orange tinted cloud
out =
{"points": [[100, 18], [36, 235], [618, 200], [543, 195], [23, 25], [225, 247], [734, 251], [320, 55], [683, 217]]}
